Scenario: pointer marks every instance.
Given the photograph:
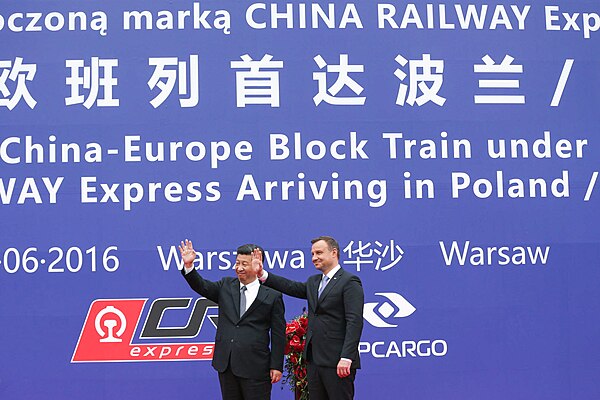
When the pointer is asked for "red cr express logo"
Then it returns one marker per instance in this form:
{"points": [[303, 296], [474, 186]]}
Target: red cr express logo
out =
{"points": [[110, 326]]}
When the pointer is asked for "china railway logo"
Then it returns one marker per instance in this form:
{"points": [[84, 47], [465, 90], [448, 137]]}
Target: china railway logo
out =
{"points": [[110, 331]]}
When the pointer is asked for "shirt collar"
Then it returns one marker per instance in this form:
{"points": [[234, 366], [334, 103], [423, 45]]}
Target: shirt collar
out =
{"points": [[331, 273], [251, 284]]}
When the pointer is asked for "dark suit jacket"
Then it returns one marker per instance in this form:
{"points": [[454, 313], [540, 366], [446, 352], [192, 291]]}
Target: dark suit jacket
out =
{"points": [[335, 320], [245, 340]]}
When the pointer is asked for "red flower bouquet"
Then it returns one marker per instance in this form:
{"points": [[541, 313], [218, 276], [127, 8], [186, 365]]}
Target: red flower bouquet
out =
{"points": [[295, 365]]}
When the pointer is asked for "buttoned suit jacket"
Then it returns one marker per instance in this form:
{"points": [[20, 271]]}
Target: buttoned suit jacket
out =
{"points": [[243, 342], [335, 319]]}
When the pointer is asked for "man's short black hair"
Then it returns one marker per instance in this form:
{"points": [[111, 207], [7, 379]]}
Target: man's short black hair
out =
{"points": [[247, 249]]}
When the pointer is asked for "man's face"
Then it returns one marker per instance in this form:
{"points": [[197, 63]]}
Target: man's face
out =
{"points": [[243, 269], [323, 257]]}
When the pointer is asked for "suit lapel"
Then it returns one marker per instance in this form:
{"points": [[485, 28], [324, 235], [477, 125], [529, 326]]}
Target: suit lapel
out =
{"points": [[330, 285], [235, 294], [313, 289], [260, 297]]}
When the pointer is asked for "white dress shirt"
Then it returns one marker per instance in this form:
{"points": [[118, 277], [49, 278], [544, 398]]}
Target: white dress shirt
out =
{"points": [[251, 292]]}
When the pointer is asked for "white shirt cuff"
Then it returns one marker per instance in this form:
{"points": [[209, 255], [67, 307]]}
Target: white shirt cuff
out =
{"points": [[264, 276]]}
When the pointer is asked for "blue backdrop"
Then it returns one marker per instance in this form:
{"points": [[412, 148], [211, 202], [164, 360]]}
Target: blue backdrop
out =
{"points": [[451, 148]]}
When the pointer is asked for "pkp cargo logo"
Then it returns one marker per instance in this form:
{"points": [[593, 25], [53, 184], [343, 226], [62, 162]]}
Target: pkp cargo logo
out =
{"points": [[395, 306], [109, 331]]}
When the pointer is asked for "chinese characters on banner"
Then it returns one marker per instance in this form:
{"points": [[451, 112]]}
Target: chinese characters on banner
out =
{"points": [[92, 82]]}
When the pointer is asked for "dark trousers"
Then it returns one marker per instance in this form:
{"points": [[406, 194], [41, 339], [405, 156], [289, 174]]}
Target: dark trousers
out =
{"points": [[325, 384], [236, 388]]}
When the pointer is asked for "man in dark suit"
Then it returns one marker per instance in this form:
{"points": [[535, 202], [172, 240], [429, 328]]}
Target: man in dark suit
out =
{"points": [[335, 320], [248, 314]]}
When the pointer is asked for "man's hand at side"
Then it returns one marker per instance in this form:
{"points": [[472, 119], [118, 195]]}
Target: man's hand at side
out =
{"points": [[343, 368], [275, 375]]}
